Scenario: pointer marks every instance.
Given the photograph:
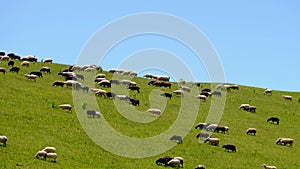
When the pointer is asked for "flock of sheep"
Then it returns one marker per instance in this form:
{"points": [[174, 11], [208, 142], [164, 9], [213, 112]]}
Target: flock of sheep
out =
{"points": [[158, 81]]}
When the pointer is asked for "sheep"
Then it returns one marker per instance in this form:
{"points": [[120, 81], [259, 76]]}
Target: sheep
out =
{"points": [[11, 63], [14, 69], [80, 76], [163, 160], [286, 97], [180, 159], [200, 167], [163, 78], [178, 92], [201, 125], [169, 95], [48, 60], [134, 102], [2, 69], [285, 141], [100, 76], [148, 75], [25, 63], [229, 147], [134, 88], [154, 111], [100, 93], [113, 81], [273, 119], [177, 139], [223, 129], [268, 91], [13, 56], [252, 109], [58, 83], [125, 82], [4, 58], [31, 77], [251, 131], [45, 69], [244, 106], [134, 74], [72, 83], [85, 88], [202, 136], [185, 88], [65, 107], [2, 53], [201, 97], [212, 141], [99, 79], [111, 94], [268, 167], [49, 149], [174, 162], [93, 113], [3, 139], [206, 90], [29, 58], [41, 154], [104, 83], [52, 155], [211, 127], [37, 73]]}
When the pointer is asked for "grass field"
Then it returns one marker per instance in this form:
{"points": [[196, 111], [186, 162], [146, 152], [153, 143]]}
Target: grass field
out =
{"points": [[30, 119]]}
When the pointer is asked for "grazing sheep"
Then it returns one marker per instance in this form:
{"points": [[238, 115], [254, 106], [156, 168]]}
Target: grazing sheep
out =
{"points": [[52, 155], [285, 141], [93, 113], [125, 82], [169, 95], [134, 102], [85, 88], [48, 60], [58, 83], [14, 69], [122, 97], [206, 90], [99, 79], [202, 136], [154, 111], [211, 127], [100, 93], [111, 94], [163, 78], [174, 162], [185, 88], [2, 53], [37, 73], [45, 69], [65, 107], [268, 91], [244, 106], [148, 75], [286, 97], [72, 83], [41, 154], [223, 129], [200, 167], [116, 82], [49, 149], [31, 77], [11, 63], [3, 139], [205, 94], [105, 83], [268, 167], [2, 69], [25, 63], [163, 161], [13, 56], [201, 125], [4, 58], [29, 58], [212, 141], [251, 131], [229, 147], [180, 159], [79, 76], [134, 88], [177, 139], [273, 119], [100, 76], [252, 109], [201, 97], [178, 92]]}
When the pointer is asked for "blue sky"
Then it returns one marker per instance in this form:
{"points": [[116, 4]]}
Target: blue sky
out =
{"points": [[257, 41]]}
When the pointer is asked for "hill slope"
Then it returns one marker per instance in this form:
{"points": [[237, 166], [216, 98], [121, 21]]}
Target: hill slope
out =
{"points": [[31, 121]]}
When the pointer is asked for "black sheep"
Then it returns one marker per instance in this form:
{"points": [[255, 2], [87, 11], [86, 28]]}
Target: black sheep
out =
{"points": [[273, 119], [39, 74], [14, 69], [229, 147]]}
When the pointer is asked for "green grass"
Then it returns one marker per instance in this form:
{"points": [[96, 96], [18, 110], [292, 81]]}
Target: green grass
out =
{"points": [[30, 123]]}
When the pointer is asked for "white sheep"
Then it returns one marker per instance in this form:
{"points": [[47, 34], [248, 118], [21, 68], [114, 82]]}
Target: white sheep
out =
{"points": [[212, 141], [268, 91], [48, 60], [244, 106], [49, 149], [52, 155], [178, 92], [100, 76], [133, 74], [25, 63], [201, 97], [31, 77], [3, 139], [4, 57], [268, 167], [41, 154], [154, 111], [180, 159], [101, 92], [286, 97], [200, 167], [65, 106], [174, 162], [72, 83]]}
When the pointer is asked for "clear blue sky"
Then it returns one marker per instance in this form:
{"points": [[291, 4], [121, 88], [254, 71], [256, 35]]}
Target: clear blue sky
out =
{"points": [[257, 41]]}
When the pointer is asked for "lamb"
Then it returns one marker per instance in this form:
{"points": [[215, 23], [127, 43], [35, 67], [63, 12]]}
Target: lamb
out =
{"points": [[268, 167], [52, 155], [273, 119], [48, 60], [3, 139], [31, 77], [251, 131], [41, 154], [201, 97], [286, 97], [65, 107], [229, 147], [49, 149], [2, 70], [154, 111], [25, 63], [200, 167], [212, 141], [285, 141]]}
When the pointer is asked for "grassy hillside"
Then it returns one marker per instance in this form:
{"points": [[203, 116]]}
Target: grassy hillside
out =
{"points": [[30, 122]]}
